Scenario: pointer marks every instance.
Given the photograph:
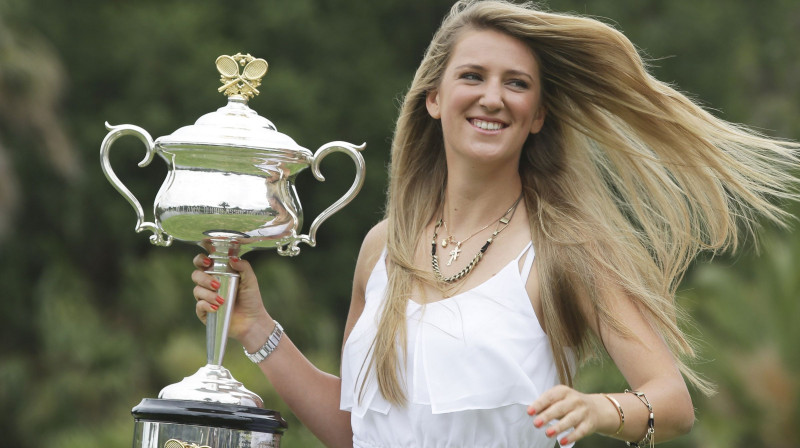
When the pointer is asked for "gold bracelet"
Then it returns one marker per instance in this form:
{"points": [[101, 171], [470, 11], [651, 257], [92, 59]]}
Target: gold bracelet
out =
{"points": [[619, 412]]}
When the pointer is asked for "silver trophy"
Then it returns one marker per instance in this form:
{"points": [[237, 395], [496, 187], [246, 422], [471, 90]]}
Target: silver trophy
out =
{"points": [[230, 189]]}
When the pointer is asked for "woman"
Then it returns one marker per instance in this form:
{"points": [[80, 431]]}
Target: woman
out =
{"points": [[525, 136]]}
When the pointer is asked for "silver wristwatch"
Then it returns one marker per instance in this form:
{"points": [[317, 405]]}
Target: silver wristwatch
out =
{"points": [[268, 347]]}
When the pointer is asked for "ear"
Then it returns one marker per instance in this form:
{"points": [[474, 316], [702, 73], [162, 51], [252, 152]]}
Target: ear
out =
{"points": [[538, 120], [432, 104]]}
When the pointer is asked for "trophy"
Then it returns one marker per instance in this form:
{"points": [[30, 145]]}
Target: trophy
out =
{"points": [[229, 189]]}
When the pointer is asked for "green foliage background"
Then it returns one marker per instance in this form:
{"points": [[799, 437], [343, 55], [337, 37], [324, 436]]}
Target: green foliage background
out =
{"points": [[95, 318]]}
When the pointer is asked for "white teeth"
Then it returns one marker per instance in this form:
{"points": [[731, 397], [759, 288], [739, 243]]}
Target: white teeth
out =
{"points": [[486, 125]]}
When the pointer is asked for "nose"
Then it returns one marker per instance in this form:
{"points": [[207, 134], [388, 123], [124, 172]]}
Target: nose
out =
{"points": [[492, 97]]}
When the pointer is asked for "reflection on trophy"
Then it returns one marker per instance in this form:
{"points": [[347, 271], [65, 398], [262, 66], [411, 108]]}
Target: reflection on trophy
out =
{"points": [[230, 189]]}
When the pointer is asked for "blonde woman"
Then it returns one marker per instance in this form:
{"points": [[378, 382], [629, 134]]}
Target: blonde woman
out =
{"points": [[546, 196]]}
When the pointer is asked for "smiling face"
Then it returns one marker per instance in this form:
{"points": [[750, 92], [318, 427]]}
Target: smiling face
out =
{"points": [[489, 97]]}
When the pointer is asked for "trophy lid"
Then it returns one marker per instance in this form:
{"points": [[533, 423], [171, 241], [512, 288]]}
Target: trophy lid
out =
{"points": [[235, 124]]}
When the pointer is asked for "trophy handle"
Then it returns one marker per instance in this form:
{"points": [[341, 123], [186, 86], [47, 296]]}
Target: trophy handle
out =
{"points": [[159, 238], [322, 152]]}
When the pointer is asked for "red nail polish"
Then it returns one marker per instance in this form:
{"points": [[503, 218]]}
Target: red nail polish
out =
{"points": [[531, 411], [550, 432], [214, 307], [220, 300], [538, 422], [563, 441], [235, 259], [207, 262], [215, 284]]}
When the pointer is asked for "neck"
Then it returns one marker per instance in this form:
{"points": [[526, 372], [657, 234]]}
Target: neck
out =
{"points": [[473, 200]]}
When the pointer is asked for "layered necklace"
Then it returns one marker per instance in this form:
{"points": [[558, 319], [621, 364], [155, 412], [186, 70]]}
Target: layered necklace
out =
{"points": [[502, 223]]}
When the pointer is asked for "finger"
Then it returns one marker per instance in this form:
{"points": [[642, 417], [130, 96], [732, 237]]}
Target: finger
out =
{"points": [[549, 397], [243, 267], [239, 265], [571, 420], [202, 308], [580, 431], [205, 280], [204, 295], [557, 410], [201, 261]]}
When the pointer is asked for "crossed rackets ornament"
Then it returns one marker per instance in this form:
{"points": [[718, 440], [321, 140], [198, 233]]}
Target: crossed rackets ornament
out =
{"points": [[242, 83]]}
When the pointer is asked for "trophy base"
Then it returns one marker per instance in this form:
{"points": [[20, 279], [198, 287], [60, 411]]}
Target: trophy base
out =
{"points": [[193, 424], [212, 384]]}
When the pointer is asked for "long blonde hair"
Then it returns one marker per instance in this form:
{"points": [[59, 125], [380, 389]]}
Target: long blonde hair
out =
{"points": [[626, 183]]}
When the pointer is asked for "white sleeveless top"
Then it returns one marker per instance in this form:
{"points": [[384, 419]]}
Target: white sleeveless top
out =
{"points": [[475, 362]]}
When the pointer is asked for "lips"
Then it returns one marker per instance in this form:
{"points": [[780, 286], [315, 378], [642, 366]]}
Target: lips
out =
{"points": [[487, 125]]}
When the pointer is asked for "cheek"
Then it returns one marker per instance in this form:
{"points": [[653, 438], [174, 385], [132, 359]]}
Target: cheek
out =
{"points": [[530, 110], [449, 127], [457, 99]]}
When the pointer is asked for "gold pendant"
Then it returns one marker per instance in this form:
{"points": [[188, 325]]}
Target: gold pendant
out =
{"points": [[448, 240]]}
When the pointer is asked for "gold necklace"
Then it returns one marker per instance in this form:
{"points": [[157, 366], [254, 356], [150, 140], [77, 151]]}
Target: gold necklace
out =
{"points": [[450, 239], [501, 225]]}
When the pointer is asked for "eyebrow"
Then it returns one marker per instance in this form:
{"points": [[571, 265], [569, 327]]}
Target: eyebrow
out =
{"points": [[482, 68]]}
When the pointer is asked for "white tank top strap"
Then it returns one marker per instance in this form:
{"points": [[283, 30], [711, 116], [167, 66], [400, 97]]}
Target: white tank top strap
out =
{"points": [[530, 254]]}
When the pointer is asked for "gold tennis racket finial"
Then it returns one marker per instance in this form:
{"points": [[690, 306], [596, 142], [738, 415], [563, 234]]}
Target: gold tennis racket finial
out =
{"points": [[241, 83]]}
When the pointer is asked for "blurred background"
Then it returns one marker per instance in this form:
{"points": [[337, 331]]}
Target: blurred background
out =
{"points": [[95, 318]]}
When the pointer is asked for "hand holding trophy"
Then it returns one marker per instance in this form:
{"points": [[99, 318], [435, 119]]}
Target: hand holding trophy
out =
{"points": [[230, 189]]}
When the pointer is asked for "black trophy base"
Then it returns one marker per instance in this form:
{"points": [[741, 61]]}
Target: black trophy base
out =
{"points": [[198, 424]]}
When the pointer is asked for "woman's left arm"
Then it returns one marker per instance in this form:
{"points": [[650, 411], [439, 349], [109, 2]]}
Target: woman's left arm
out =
{"points": [[648, 366]]}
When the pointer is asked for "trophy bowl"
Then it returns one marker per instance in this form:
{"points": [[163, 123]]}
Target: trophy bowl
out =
{"points": [[231, 176], [229, 189]]}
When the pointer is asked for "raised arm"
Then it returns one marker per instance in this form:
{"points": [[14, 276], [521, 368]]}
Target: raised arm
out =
{"points": [[311, 394]]}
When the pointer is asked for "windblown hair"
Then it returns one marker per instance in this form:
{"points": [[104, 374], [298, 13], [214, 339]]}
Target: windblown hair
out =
{"points": [[626, 183]]}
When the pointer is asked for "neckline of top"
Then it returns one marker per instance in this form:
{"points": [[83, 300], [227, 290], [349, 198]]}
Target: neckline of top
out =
{"points": [[513, 262]]}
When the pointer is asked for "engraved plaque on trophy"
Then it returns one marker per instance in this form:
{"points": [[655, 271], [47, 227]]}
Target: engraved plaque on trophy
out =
{"points": [[229, 189]]}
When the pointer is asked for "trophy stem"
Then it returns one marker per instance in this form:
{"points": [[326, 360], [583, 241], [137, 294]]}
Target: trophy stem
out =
{"points": [[217, 324]]}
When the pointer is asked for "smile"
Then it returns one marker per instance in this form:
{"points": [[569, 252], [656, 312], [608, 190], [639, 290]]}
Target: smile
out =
{"points": [[487, 125]]}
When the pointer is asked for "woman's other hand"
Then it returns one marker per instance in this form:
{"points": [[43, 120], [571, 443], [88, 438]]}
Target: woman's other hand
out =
{"points": [[571, 409]]}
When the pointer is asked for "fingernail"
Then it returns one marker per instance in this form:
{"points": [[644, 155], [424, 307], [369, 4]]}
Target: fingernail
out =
{"points": [[235, 259], [538, 422], [220, 300], [214, 284], [214, 307], [207, 262], [563, 441], [531, 411], [550, 432]]}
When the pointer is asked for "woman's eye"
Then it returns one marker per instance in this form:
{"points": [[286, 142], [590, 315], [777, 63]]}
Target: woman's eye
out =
{"points": [[518, 83], [470, 76]]}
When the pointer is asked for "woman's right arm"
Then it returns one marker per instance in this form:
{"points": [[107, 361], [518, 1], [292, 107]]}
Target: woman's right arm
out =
{"points": [[311, 394]]}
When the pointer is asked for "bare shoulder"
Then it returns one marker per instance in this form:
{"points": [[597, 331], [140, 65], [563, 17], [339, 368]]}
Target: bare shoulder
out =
{"points": [[371, 249], [377, 236]]}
